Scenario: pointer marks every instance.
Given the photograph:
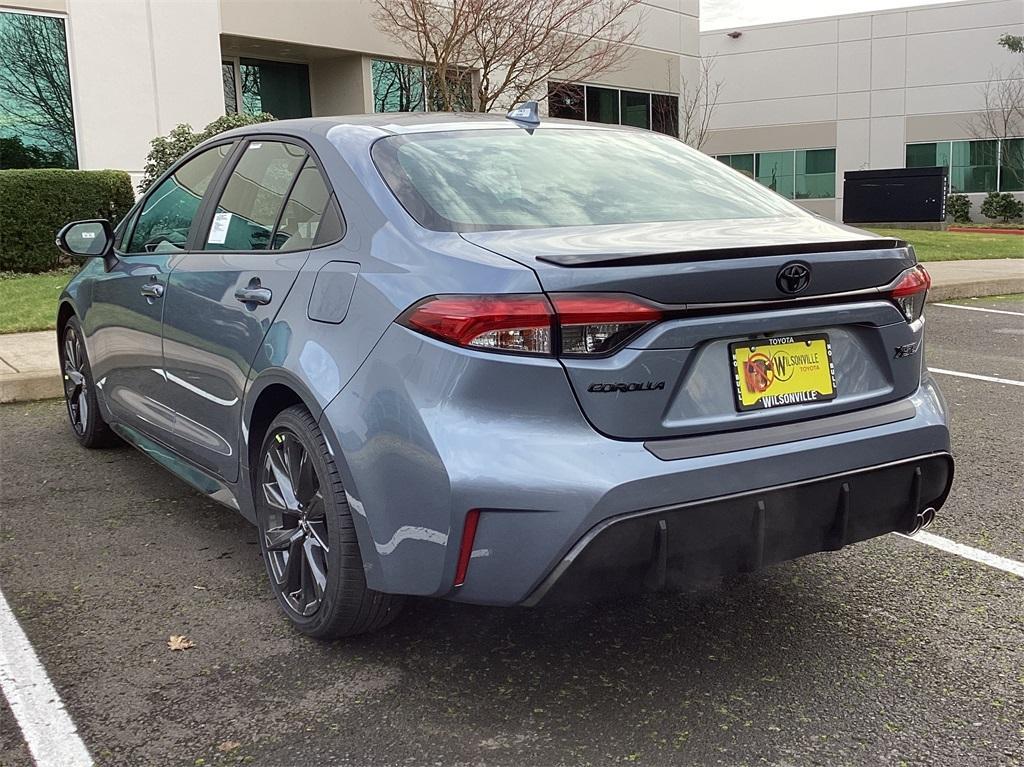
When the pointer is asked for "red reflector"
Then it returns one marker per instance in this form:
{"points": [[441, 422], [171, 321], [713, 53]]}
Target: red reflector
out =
{"points": [[914, 280], [513, 322], [596, 308], [466, 546]]}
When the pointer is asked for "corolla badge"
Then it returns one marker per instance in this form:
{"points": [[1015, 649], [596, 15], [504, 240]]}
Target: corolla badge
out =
{"points": [[793, 277], [608, 388]]}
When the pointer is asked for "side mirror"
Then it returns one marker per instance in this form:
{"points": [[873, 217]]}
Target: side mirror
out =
{"points": [[85, 239]]}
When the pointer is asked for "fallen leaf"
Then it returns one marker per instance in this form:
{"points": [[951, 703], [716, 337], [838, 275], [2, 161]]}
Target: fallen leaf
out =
{"points": [[228, 745], [200, 588], [176, 642]]}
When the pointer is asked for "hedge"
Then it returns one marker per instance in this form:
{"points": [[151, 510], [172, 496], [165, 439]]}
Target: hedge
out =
{"points": [[34, 204]]}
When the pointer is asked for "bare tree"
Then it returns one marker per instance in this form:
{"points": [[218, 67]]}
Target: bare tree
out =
{"points": [[35, 88], [1002, 106], [698, 100], [503, 51]]}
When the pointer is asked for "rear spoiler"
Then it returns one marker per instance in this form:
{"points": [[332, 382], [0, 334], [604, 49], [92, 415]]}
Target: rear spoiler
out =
{"points": [[712, 254]]}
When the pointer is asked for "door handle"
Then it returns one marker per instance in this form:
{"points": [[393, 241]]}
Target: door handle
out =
{"points": [[254, 294], [152, 290]]}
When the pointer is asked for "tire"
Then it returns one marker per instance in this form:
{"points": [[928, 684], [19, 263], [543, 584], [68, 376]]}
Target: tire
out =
{"points": [[83, 408], [307, 535]]}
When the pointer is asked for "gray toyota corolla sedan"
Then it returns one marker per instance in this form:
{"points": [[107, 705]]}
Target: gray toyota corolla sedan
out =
{"points": [[503, 361]]}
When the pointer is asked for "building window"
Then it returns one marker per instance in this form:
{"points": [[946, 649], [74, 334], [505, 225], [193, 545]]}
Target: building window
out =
{"points": [[744, 163], [815, 174], [612, 106], [401, 87], [775, 171], [1011, 165], [280, 88], [230, 76], [985, 165], [802, 174], [37, 120]]}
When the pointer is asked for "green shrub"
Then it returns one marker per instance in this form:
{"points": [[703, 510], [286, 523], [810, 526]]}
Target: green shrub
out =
{"points": [[34, 204], [164, 151], [1002, 207], [958, 208]]}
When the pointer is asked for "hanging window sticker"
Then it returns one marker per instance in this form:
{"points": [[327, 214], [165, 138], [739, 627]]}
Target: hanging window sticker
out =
{"points": [[219, 229]]}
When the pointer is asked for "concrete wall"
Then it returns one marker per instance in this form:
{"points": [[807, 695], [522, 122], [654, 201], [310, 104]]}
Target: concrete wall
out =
{"points": [[866, 84]]}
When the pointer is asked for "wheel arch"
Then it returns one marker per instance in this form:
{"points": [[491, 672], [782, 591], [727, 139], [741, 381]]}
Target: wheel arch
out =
{"points": [[267, 395]]}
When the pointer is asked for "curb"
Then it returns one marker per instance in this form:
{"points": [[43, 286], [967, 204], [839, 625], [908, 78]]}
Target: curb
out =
{"points": [[25, 387], [999, 286]]}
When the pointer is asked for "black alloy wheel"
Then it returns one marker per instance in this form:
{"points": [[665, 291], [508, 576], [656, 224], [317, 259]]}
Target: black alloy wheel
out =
{"points": [[295, 535], [308, 536], [76, 387], [80, 390]]}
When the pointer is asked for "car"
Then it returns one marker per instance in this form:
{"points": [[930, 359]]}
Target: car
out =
{"points": [[503, 360]]}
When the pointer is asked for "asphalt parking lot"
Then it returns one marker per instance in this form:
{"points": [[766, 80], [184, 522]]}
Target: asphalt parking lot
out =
{"points": [[890, 652]]}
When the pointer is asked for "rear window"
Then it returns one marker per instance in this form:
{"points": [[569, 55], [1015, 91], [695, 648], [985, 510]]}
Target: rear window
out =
{"points": [[467, 181]]}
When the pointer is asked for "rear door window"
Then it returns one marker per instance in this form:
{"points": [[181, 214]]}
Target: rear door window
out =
{"points": [[164, 221], [254, 196], [304, 211]]}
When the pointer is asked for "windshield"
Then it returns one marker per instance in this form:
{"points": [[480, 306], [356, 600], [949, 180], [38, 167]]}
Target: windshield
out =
{"points": [[467, 181]]}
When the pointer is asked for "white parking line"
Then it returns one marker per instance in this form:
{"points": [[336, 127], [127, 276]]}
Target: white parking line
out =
{"points": [[990, 379], [38, 709], [968, 552], [980, 309]]}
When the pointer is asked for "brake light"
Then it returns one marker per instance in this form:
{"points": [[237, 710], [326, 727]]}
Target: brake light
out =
{"points": [[589, 324], [595, 323], [910, 291], [510, 323]]}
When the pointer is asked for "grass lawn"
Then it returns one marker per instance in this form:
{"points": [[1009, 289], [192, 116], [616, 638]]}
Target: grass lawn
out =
{"points": [[29, 301], [956, 246]]}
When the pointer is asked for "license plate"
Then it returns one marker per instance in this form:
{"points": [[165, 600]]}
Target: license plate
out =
{"points": [[783, 371]]}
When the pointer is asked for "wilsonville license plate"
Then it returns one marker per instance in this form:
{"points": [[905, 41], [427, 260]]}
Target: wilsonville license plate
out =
{"points": [[787, 370]]}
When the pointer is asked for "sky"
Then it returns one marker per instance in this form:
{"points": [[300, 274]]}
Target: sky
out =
{"points": [[719, 14]]}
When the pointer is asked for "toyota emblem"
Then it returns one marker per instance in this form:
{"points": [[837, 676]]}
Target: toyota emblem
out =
{"points": [[793, 277]]}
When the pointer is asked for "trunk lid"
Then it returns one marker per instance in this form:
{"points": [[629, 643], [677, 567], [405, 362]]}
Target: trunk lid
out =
{"points": [[721, 283]]}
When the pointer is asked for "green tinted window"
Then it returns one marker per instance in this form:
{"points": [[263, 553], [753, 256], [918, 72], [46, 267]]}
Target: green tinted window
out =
{"points": [[509, 179], [1011, 165], [277, 87], [973, 166], [166, 216], [744, 163], [815, 173], [37, 121], [775, 171], [397, 87], [251, 201]]}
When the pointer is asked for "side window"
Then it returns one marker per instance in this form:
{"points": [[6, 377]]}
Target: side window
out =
{"points": [[163, 223], [304, 210], [254, 195]]}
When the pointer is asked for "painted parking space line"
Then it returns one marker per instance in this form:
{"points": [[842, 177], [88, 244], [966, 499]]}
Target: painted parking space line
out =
{"points": [[45, 724], [980, 309], [968, 552], [990, 379]]}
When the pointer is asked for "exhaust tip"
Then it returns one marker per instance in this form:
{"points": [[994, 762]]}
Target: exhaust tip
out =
{"points": [[922, 519]]}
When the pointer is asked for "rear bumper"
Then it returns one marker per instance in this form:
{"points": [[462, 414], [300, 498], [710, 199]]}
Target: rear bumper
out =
{"points": [[677, 545], [420, 442]]}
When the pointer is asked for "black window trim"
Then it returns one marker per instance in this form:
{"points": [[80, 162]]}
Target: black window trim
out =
{"points": [[196, 240]]}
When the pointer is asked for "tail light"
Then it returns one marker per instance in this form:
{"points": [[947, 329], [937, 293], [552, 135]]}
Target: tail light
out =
{"points": [[577, 324], [596, 323], [910, 291], [466, 546]]}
